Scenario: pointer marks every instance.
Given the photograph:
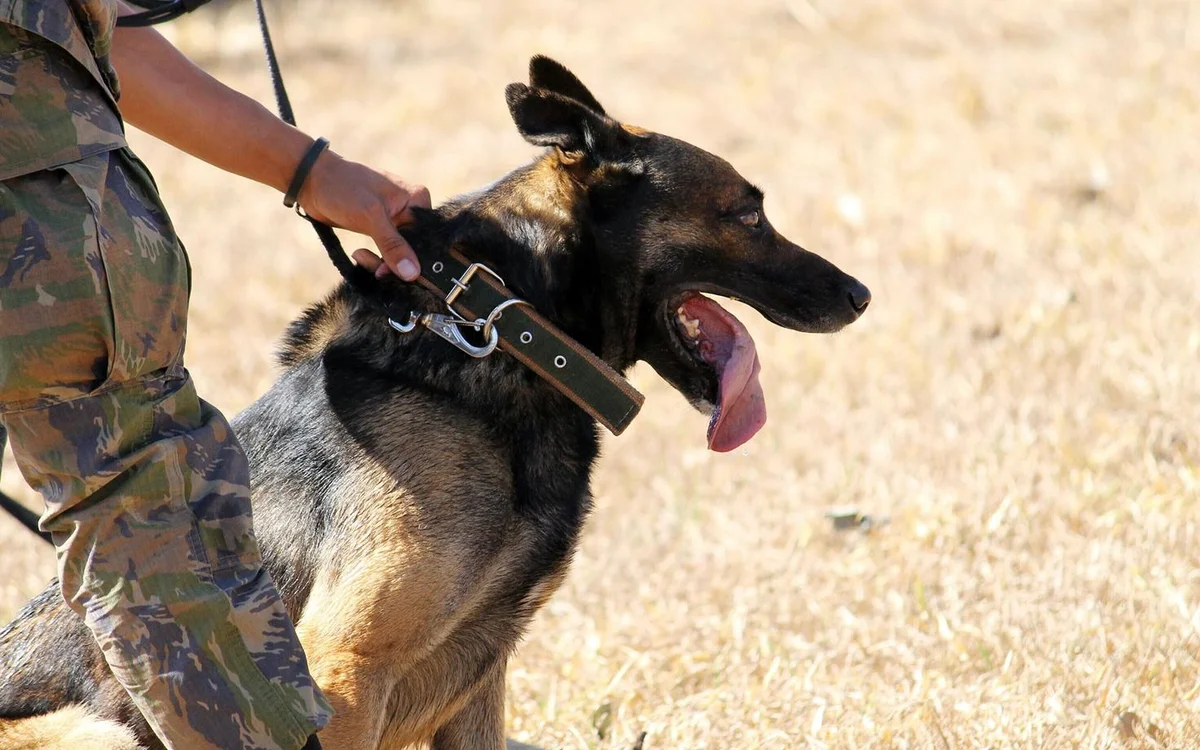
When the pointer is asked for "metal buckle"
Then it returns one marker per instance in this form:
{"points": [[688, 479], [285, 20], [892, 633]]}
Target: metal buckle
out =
{"points": [[462, 282]]}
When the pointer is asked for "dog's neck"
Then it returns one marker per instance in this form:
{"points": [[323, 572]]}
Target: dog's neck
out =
{"points": [[536, 228]]}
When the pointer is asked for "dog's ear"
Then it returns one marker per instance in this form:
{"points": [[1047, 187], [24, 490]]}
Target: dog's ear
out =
{"points": [[547, 118], [552, 75]]}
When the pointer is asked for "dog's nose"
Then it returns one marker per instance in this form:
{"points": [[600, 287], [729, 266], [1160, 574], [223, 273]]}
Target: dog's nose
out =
{"points": [[860, 296]]}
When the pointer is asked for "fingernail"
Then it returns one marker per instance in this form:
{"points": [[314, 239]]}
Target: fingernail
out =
{"points": [[382, 271], [408, 269]]}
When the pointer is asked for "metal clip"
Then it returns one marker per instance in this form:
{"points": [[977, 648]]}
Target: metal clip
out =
{"points": [[450, 328], [413, 319]]}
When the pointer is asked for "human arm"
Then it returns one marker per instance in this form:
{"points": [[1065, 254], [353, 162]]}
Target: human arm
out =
{"points": [[169, 97]]}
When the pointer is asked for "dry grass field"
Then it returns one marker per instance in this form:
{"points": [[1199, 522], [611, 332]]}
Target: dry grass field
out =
{"points": [[1019, 185]]}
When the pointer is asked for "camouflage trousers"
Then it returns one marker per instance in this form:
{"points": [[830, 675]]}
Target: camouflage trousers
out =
{"points": [[146, 487]]}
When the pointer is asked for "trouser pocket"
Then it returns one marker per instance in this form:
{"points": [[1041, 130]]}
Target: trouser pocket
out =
{"points": [[93, 281]]}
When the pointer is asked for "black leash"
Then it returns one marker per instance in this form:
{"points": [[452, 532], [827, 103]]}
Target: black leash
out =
{"points": [[282, 103], [161, 11], [531, 339], [358, 278], [25, 516]]}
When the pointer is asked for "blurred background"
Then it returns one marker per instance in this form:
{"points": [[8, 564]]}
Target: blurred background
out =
{"points": [[1018, 413]]}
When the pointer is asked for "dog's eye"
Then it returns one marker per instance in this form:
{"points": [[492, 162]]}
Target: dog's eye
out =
{"points": [[750, 218]]}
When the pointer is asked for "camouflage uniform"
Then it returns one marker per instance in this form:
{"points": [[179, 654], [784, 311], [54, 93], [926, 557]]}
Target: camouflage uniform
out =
{"points": [[146, 487]]}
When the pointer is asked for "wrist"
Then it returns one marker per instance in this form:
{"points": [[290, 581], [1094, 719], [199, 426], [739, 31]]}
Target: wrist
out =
{"points": [[285, 148], [303, 171]]}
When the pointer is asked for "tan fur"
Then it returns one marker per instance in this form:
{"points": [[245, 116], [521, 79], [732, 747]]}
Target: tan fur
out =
{"points": [[378, 625], [333, 316], [72, 728], [548, 192]]}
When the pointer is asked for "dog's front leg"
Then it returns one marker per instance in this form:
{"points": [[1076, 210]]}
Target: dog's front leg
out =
{"points": [[479, 725], [358, 694]]}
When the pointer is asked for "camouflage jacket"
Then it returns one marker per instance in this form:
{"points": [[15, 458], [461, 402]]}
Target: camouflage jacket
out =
{"points": [[56, 108]]}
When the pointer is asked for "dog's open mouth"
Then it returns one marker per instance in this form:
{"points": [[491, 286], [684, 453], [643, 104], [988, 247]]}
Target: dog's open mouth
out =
{"points": [[720, 341]]}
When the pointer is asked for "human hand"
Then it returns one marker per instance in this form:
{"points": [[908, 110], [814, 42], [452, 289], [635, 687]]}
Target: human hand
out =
{"points": [[367, 260], [166, 95], [352, 196]]}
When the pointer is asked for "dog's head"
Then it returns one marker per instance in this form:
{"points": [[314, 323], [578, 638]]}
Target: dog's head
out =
{"points": [[669, 222]]}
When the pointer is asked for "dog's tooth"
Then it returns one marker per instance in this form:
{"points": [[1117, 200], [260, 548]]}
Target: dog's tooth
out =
{"points": [[691, 326]]}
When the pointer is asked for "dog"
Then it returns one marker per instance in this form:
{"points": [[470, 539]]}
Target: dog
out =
{"points": [[415, 505]]}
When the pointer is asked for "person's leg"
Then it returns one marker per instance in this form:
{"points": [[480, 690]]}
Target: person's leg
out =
{"points": [[146, 487]]}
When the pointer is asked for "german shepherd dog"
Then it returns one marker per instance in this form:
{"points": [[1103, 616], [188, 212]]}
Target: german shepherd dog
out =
{"points": [[416, 506]]}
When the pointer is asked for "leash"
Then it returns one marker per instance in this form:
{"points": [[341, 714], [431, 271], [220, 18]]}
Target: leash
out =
{"points": [[474, 295], [23, 515], [537, 343], [475, 300]]}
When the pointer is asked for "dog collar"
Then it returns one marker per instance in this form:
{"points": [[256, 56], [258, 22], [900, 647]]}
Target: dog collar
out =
{"points": [[477, 298]]}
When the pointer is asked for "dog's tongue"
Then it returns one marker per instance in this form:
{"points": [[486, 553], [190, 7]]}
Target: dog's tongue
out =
{"points": [[726, 345]]}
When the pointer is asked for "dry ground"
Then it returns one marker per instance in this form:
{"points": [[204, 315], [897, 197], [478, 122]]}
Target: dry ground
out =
{"points": [[1017, 182]]}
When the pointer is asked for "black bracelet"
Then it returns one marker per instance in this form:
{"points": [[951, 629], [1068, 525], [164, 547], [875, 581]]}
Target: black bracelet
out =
{"points": [[306, 165]]}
